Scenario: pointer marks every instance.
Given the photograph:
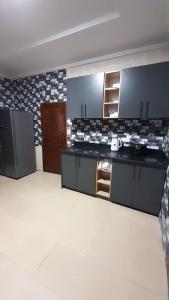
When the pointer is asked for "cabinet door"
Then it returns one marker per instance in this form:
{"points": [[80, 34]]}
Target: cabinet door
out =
{"points": [[74, 105], [122, 182], [148, 189], [144, 92], [157, 90], [93, 101], [69, 171], [87, 175], [132, 93], [85, 96]]}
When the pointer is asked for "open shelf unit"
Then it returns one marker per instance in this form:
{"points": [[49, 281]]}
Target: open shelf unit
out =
{"points": [[111, 94], [103, 182]]}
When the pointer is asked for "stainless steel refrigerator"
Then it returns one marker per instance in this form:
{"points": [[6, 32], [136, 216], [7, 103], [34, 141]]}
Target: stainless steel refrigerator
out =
{"points": [[17, 150]]}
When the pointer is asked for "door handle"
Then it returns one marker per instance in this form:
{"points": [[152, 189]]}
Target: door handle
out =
{"points": [[141, 109], [85, 110], [147, 108], [139, 174], [134, 172]]}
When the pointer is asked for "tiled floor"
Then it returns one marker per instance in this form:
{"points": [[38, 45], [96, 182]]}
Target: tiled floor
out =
{"points": [[59, 244]]}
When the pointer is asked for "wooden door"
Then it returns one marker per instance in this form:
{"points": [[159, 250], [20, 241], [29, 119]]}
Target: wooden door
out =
{"points": [[53, 123]]}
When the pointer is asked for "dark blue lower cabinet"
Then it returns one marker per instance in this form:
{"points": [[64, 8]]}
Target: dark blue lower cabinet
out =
{"points": [[122, 183], [137, 187], [86, 175], [79, 173], [134, 186], [148, 189], [69, 171]]}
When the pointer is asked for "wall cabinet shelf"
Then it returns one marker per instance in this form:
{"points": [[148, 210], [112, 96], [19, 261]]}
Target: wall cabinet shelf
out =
{"points": [[111, 89], [112, 103], [111, 95], [112, 80]]}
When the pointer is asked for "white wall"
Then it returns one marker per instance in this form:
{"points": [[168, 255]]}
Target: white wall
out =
{"points": [[121, 61], [38, 153]]}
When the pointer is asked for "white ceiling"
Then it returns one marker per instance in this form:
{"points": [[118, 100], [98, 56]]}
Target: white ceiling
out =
{"points": [[38, 35]]}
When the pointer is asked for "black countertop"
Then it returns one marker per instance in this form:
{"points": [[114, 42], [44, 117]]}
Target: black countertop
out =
{"points": [[149, 158]]}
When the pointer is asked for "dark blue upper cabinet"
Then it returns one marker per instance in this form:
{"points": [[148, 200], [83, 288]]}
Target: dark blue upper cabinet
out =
{"points": [[144, 92], [132, 93], [157, 92], [85, 96]]}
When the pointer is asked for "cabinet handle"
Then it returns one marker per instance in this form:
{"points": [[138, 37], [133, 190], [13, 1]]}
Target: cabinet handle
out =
{"points": [[134, 172], [141, 109], [79, 162], [81, 111], [85, 110], [139, 173], [147, 108], [75, 161]]}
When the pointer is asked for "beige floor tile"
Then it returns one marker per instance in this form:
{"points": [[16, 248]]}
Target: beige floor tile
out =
{"points": [[95, 283], [75, 246], [16, 284], [60, 270], [26, 245], [117, 249]]}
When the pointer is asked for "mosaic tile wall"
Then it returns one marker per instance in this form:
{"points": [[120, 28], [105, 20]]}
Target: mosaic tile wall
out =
{"points": [[31, 91], [6, 93], [164, 213], [100, 130]]}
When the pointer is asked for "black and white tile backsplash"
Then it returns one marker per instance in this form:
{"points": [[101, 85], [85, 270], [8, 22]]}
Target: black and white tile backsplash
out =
{"points": [[28, 93], [31, 91], [101, 130], [6, 93], [164, 213]]}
